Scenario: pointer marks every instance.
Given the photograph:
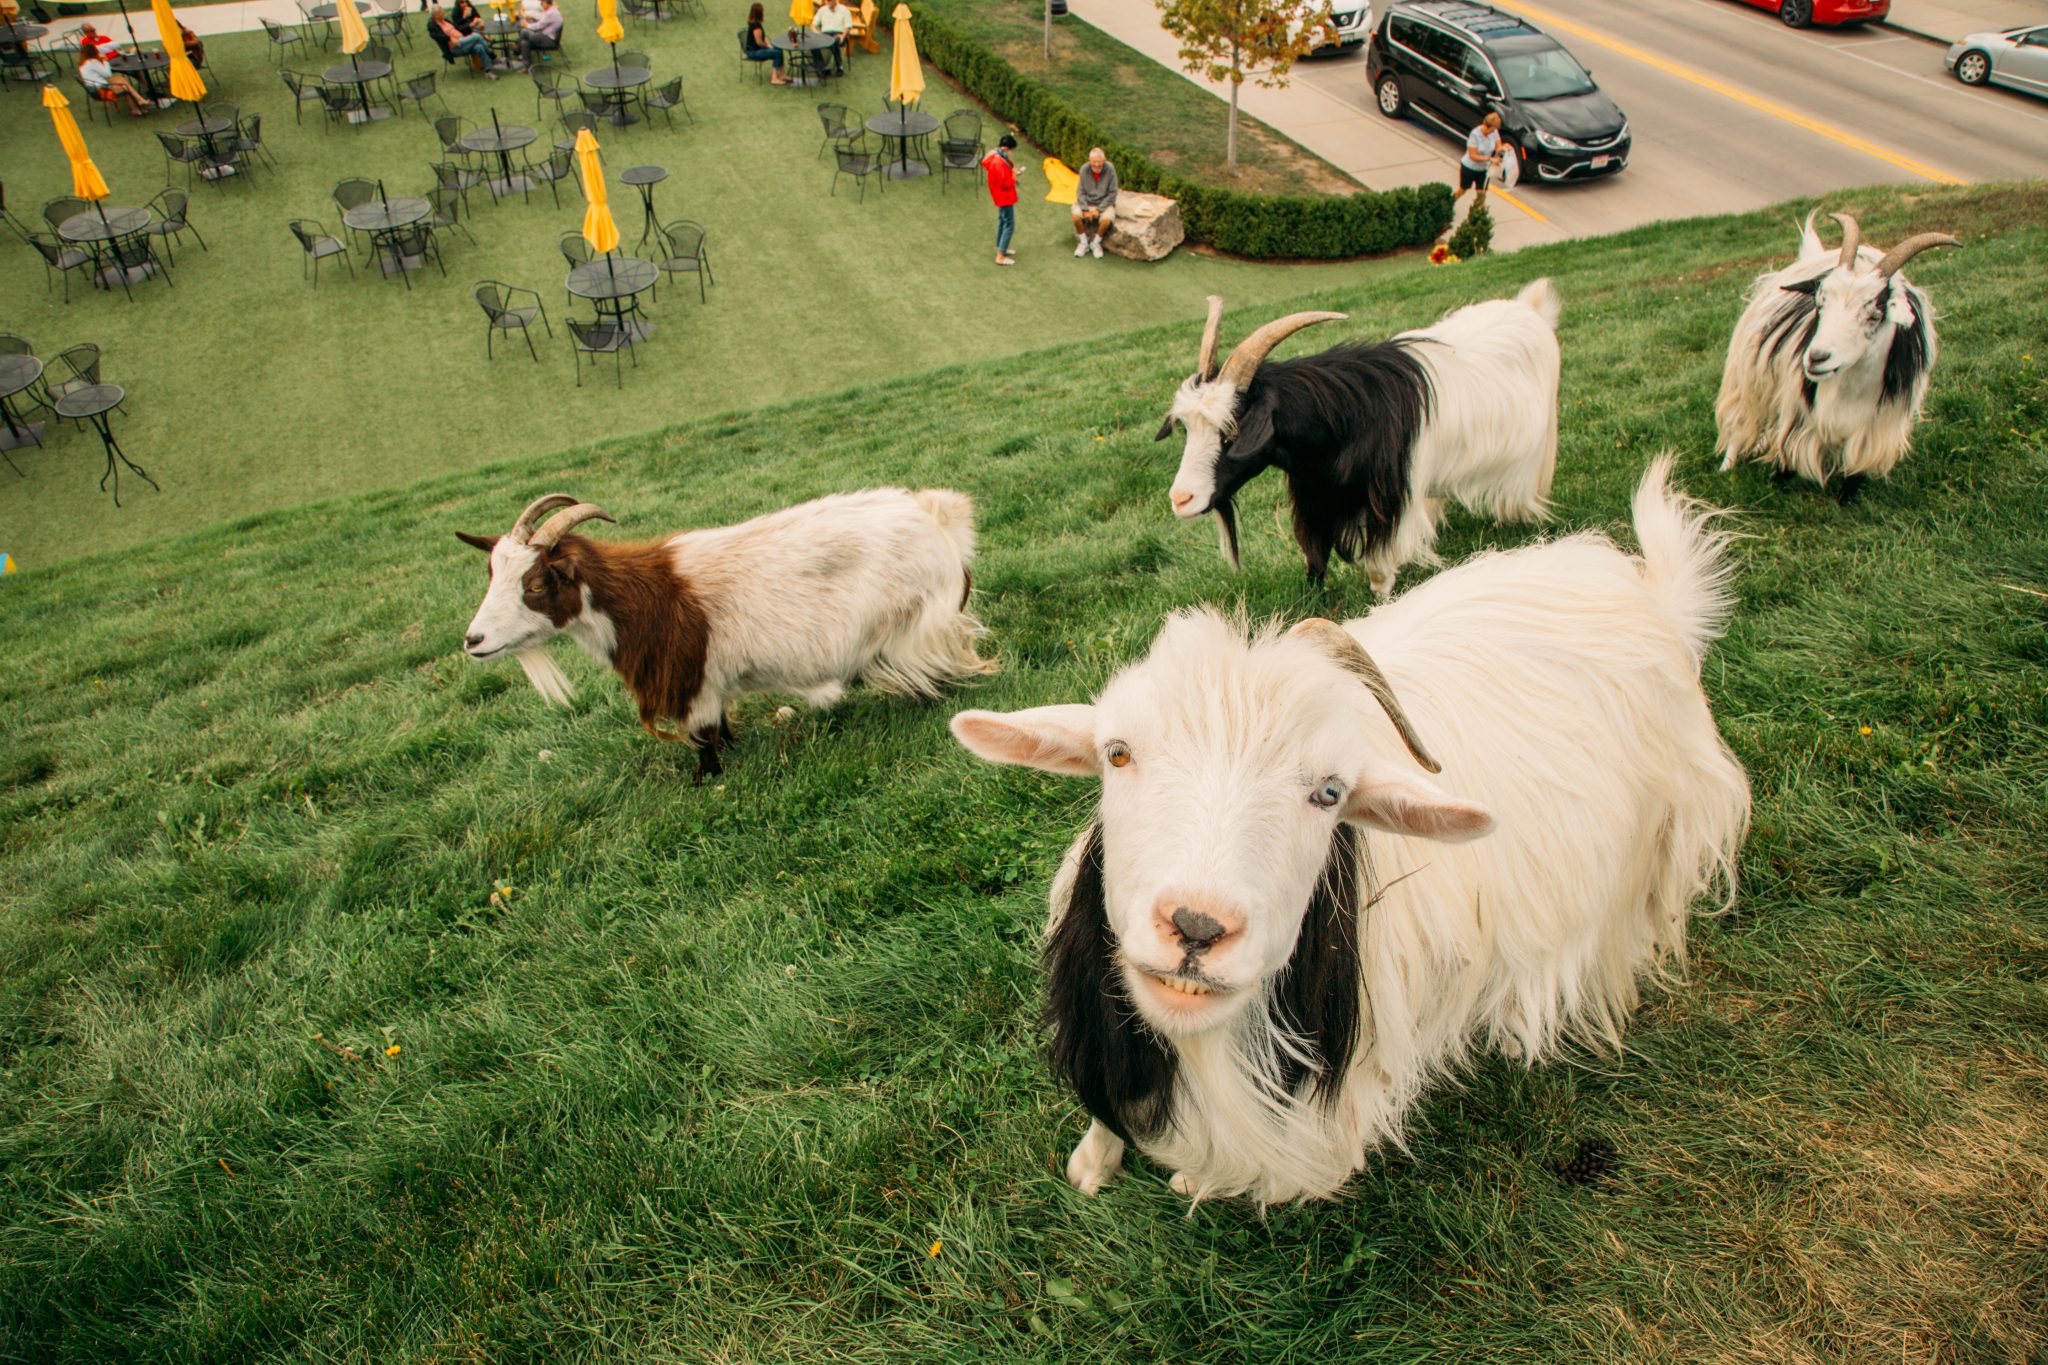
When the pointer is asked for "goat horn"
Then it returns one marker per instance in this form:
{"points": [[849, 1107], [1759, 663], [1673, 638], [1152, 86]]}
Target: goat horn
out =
{"points": [[523, 527], [1205, 359], [1336, 641], [1251, 352], [1852, 237], [1908, 249], [556, 526]]}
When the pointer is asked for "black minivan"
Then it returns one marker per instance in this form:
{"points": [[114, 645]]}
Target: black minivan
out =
{"points": [[1452, 61]]}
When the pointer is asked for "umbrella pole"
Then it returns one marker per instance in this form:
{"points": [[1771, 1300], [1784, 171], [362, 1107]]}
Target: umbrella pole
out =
{"points": [[130, 22]]}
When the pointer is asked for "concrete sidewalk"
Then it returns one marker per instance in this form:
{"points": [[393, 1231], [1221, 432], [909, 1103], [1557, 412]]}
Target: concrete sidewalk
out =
{"points": [[1947, 20], [240, 16]]}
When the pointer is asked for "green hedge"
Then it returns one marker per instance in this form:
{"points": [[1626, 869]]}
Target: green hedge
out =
{"points": [[1315, 227]]}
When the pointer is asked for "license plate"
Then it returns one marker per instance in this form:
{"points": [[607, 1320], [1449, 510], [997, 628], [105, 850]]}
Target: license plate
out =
{"points": [[1600, 162]]}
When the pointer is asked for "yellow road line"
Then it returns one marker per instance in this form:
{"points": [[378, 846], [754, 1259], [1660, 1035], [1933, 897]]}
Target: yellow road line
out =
{"points": [[1518, 204], [1726, 91]]}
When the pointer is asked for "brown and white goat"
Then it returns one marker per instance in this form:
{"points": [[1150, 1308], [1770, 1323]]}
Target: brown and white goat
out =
{"points": [[858, 586]]}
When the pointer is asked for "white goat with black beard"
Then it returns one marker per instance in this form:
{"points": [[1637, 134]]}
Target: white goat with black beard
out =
{"points": [[1832, 354], [1373, 436], [1277, 932]]}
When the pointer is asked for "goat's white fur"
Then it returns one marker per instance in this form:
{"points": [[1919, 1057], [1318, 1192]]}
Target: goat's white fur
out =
{"points": [[1558, 686], [1760, 411]]}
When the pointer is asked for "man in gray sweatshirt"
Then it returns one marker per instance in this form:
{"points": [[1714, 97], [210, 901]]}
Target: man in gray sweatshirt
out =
{"points": [[1094, 204]]}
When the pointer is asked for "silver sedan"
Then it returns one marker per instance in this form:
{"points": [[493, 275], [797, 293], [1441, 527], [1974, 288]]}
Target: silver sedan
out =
{"points": [[2017, 57]]}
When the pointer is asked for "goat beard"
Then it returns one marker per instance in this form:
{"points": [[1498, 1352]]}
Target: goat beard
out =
{"points": [[1226, 532], [546, 675]]}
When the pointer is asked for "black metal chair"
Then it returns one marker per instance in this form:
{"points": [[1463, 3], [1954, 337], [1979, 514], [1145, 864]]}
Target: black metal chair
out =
{"points": [[249, 140], [447, 205], [686, 244], [93, 103], [178, 152], [281, 37], [552, 170], [61, 210], [857, 158], [414, 239], [303, 93], [628, 57], [602, 337], [575, 251], [574, 122], [417, 90], [169, 208], [338, 101], [134, 252], [552, 87], [960, 146], [390, 23], [458, 179], [59, 257], [318, 244], [666, 97], [352, 193], [505, 313], [451, 128], [840, 123]]}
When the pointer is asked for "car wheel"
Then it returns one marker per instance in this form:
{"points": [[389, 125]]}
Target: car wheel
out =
{"points": [[1796, 13], [1973, 68], [1391, 103]]}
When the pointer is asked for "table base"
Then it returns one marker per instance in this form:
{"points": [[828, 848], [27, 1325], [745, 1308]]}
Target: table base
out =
{"points": [[621, 117], [370, 115], [906, 170], [505, 185], [113, 449], [116, 277], [15, 435]]}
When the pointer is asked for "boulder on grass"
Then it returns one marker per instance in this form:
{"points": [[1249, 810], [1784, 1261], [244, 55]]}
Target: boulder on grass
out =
{"points": [[1147, 226]]}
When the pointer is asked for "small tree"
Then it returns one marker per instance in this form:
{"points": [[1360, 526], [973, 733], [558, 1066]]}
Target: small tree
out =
{"points": [[1474, 236], [1230, 39]]}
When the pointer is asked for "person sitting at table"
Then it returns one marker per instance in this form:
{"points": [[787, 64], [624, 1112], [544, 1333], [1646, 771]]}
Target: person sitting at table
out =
{"points": [[466, 17], [754, 42], [194, 48], [542, 34], [100, 79], [94, 43], [833, 20], [454, 43]]}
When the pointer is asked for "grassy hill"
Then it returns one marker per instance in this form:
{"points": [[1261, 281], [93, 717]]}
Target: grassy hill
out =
{"points": [[354, 1004]]}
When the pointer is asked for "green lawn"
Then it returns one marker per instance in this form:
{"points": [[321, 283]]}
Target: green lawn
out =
{"points": [[251, 391], [749, 1072]]}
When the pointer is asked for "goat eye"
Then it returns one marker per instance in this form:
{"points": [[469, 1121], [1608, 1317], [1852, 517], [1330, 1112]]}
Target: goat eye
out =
{"points": [[1327, 796], [1118, 753]]}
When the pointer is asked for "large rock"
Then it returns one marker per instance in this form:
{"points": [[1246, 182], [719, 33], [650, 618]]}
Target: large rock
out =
{"points": [[1147, 226]]}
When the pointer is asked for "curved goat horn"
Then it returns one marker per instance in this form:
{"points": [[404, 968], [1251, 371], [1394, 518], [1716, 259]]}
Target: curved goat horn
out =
{"points": [[1252, 351], [1205, 359], [1336, 641], [523, 528], [1852, 237], [556, 526], [1908, 249]]}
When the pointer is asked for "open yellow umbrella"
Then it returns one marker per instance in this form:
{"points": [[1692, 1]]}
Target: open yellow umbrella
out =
{"points": [[1065, 181], [185, 82], [86, 181], [906, 76], [801, 12], [598, 228]]}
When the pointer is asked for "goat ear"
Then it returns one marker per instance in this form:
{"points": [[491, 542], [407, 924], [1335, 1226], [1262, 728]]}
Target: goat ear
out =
{"points": [[484, 543], [1402, 803], [1053, 739], [1165, 429], [1807, 287]]}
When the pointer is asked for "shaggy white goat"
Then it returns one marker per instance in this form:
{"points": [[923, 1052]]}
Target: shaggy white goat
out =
{"points": [[1833, 353], [1277, 932]]}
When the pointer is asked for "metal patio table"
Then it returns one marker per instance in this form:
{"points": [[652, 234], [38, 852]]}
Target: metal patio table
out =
{"points": [[501, 140], [645, 178], [612, 283], [146, 65], [360, 73], [808, 72], [380, 218], [92, 404], [17, 372], [206, 128], [100, 225], [618, 82], [903, 125]]}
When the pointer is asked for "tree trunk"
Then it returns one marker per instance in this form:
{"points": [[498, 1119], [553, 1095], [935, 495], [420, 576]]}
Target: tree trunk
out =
{"points": [[1048, 30], [1231, 142]]}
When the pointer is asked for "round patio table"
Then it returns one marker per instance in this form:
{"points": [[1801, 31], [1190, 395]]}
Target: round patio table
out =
{"points": [[380, 217], [501, 140], [611, 282], [328, 11], [616, 81], [206, 128], [17, 372], [645, 178], [92, 404], [903, 125], [91, 226], [359, 73], [145, 65], [503, 36], [16, 35], [804, 44]]}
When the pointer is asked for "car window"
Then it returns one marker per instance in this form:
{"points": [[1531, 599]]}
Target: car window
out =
{"points": [[1472, 65], [1433, 43], [1545, 74]]}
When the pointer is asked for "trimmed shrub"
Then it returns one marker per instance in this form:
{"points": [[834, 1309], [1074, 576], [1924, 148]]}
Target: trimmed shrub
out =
{"points": [[1266, 226], [1475, 234]]}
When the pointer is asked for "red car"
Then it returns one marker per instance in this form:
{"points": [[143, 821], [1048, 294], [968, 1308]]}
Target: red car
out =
{"points": [[1800, 13]]}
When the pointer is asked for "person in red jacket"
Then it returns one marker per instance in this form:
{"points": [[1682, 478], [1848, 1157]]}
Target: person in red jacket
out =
{"points": [[1002, 187]]}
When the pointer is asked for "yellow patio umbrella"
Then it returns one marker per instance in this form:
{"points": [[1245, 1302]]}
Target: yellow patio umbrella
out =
{"points": [[185, 82], [86, 181], [354, 35], [801, 12], [906, 76], [609, 29], [598, 228], [1065, 184]]}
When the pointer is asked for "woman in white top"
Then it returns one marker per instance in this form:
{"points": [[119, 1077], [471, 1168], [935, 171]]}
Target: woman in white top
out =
{"points": [[99, 78], [1482, 154]]}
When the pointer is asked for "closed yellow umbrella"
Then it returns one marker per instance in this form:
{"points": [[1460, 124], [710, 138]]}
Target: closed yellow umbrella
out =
{"points": [[801, 12], [598, 228], [906, 76], [609, 29], [185, 82], [354, 35], [86, 181], [1063, 182]]}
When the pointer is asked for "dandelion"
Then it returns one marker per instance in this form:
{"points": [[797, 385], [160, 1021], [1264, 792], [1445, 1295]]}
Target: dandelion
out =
{"points": [[1102, 438], [393, 1050], [933, 1249], [1864, 731]]}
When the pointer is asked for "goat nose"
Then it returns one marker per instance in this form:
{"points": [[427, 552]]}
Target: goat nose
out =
{"points": [[1197, 923], [1181, 499], [1819, 357], [1197, 930], [473, 640]]}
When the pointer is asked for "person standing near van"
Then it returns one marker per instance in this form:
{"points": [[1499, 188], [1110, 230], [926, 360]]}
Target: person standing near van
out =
{"points": [[1482, 154]]}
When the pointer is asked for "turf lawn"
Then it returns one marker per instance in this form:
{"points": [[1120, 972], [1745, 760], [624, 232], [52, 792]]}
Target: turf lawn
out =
{"points": [[249, 390], [355, 1005]]}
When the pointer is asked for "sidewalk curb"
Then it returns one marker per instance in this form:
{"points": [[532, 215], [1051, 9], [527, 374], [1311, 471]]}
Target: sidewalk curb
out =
{"points": [[1921, 34]]}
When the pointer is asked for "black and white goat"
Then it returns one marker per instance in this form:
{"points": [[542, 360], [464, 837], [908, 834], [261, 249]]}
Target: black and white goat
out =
{"points": [[1833, 353], [867, 586], [1373, 435], [1277, 932]]}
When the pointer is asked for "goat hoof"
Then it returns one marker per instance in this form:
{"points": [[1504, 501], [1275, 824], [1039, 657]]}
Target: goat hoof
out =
{"points": [[1097, 1157], [1851, 486]]}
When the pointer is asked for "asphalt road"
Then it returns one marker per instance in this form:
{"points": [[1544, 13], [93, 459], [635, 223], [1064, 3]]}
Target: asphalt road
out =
{"points": [[1731, 110]]}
